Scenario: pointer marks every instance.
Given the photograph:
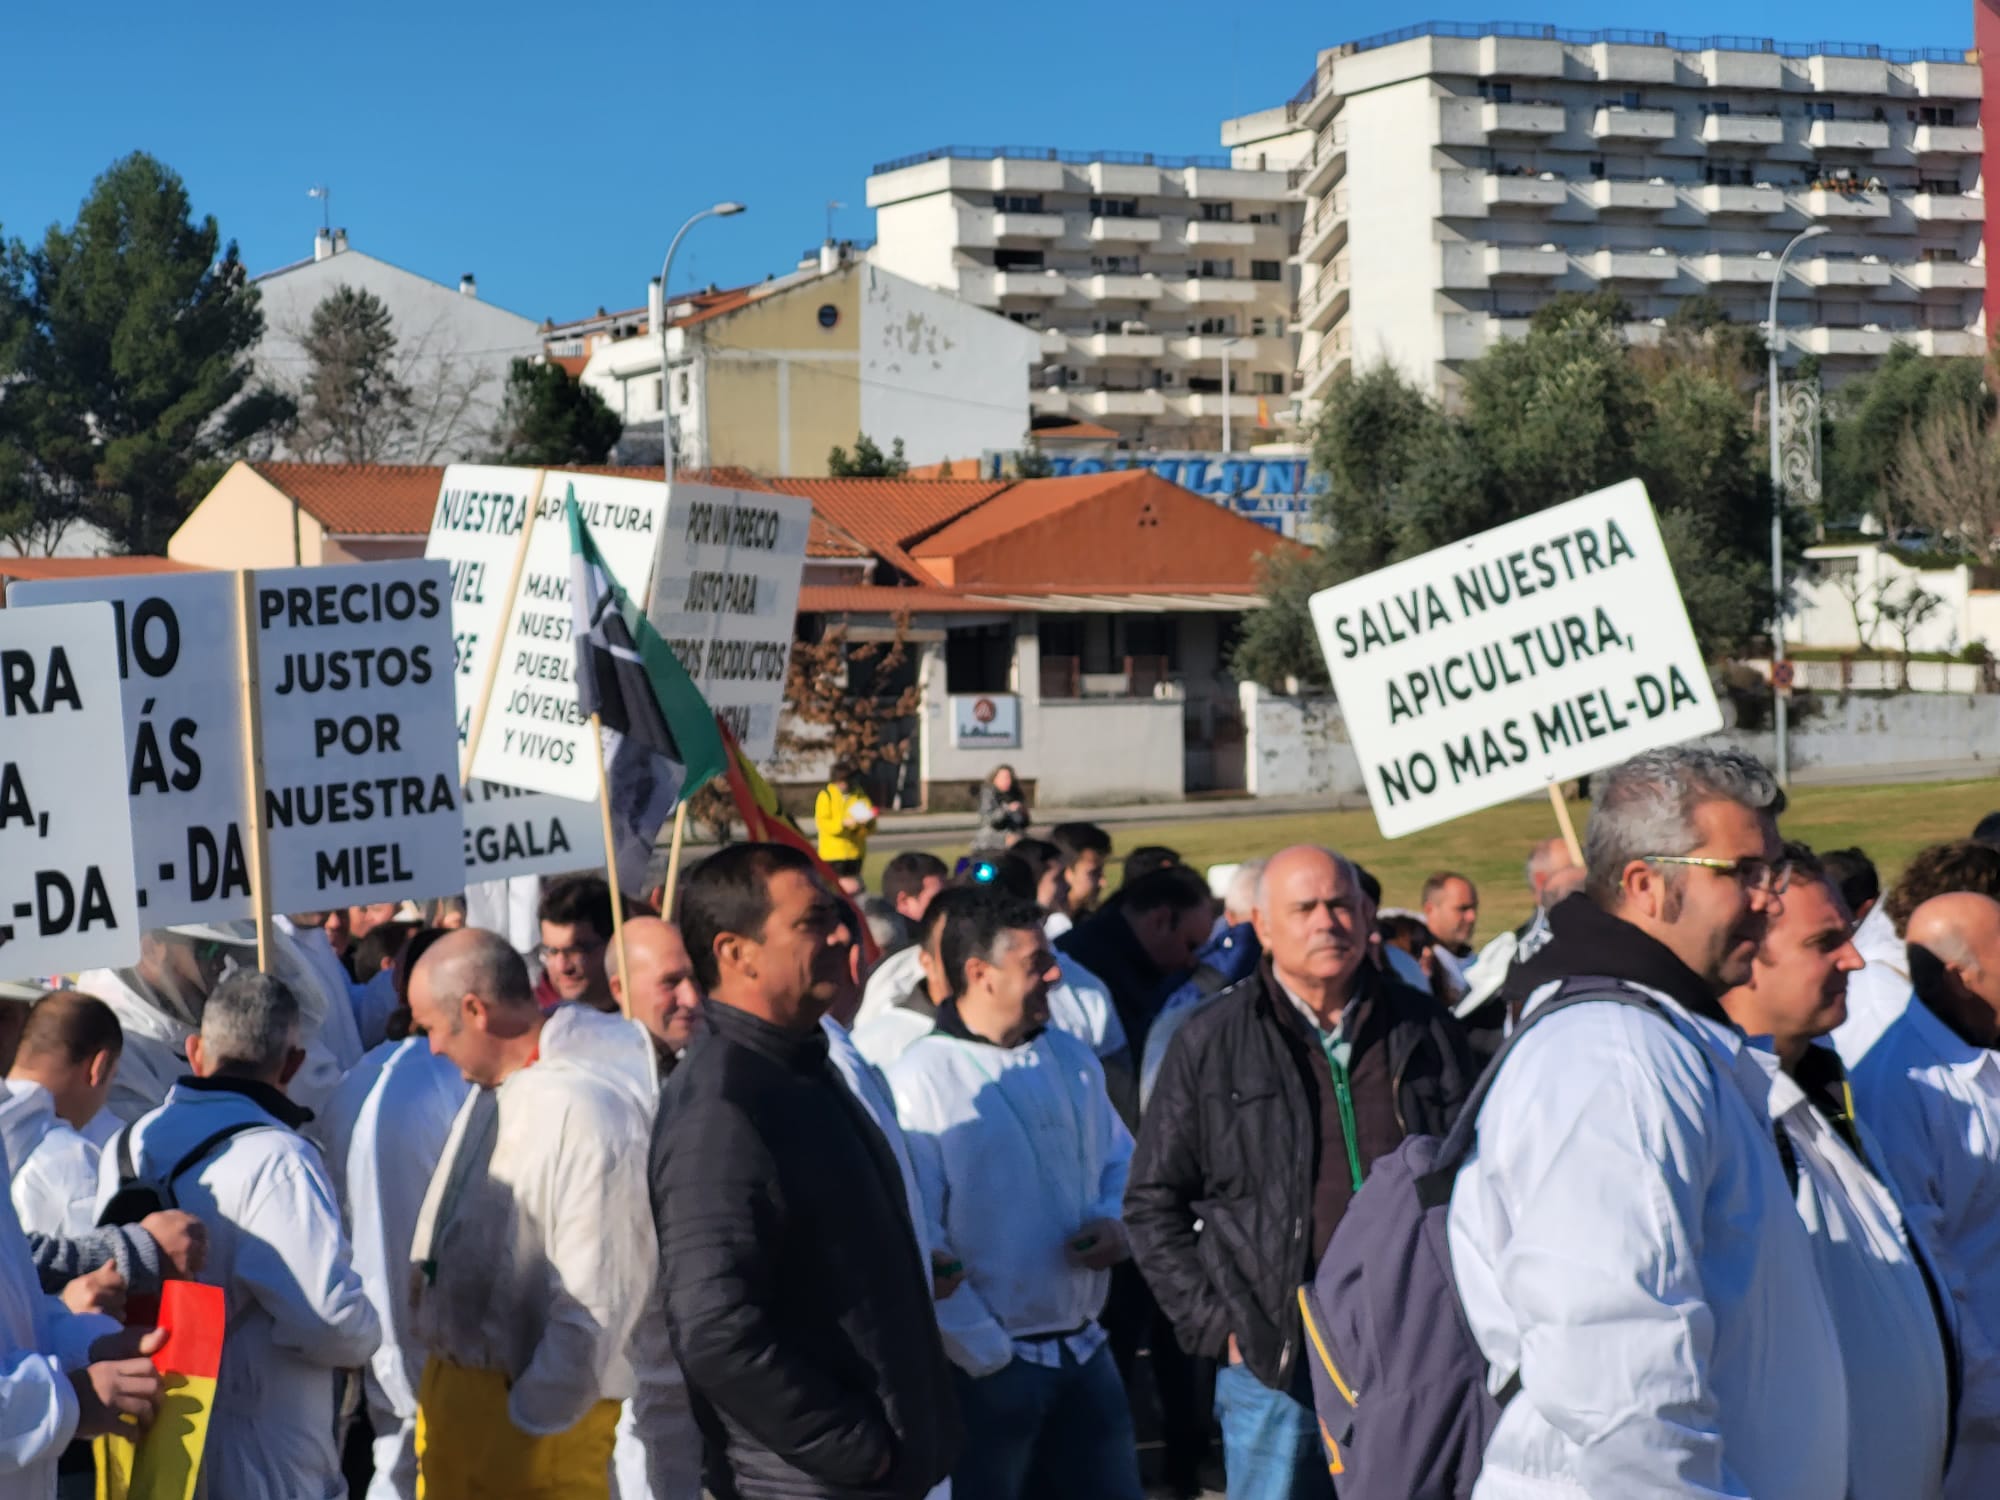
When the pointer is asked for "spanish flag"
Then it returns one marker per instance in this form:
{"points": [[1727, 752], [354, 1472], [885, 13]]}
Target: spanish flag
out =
{"points": [[166, 1462], [765, 822]]}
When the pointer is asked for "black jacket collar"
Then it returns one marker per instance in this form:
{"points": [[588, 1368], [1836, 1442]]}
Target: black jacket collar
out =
{"points": [[1587, 940], [272, 1101], [795, 1049], [951, 1023]]}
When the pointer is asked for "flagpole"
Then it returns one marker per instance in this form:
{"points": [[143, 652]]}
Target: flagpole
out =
{"points": [[611, 867], [674, 860]]}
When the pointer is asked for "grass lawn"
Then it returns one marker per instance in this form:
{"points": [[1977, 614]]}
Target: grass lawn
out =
{"points": [[1890, 822]]}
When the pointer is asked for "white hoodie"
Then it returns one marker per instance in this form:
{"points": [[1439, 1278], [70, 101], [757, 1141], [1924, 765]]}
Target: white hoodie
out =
{"points": [[297, 1313], [544, 1263], [54, 1169]]}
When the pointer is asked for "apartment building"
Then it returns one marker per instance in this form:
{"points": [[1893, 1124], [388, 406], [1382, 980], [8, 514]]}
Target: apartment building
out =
{"points": [[1144, 276], [1455, 177]]}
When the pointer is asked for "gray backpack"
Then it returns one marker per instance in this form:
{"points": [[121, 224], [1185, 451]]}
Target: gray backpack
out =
{"points": [[1398, 1380]]}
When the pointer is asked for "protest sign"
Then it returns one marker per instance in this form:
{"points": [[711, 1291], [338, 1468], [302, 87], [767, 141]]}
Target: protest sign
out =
{"points": [[67, 897], [1543, 649], [726, 598], [184, 736], [511, 832], [359, 757], [533, 734]]}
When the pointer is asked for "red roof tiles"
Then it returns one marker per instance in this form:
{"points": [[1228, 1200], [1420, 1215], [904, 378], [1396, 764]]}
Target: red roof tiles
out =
{"points": [[39, 569]]}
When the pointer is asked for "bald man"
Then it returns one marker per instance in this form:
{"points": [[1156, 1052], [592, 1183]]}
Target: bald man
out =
{"points": [[662, 995], [1552, 875], [1341, 1060], [534, 1248], [1930, 1090]]}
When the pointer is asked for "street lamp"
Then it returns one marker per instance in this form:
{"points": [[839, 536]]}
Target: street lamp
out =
{"points": [[1227, 345], [1774, 342], [718, 211]]}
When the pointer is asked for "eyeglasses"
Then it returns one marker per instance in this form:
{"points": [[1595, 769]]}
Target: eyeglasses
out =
{"points": [[576, 950], [1753, 874]]}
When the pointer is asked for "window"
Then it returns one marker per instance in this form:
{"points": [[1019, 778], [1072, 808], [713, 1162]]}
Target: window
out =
{"points": [[1259, 327], [1218, 213], [1937, 185], [1025, 319], [1819, 109], [1498, 93], [1018, 203], [1213, 268], [681, 388], [1126, 265], [1017, 260], [1937, 114], [660, 391], [1630, 99], [1216, 325], [1207, 385], [979, 659], [1115, 208], [1267, 270], [1270, 383], [1837, 567]]}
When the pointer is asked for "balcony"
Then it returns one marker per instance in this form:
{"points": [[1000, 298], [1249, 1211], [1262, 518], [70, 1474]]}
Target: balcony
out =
{"points": [[1648, 197], [1317, 370], [1124, 179], [1323, 167], [1049, 401], [1324, 300], [1524, 260], [1947, 343], [1117, 286], [1864, 343], [1742, 130], [1735, 269], [1220, 232], [1944, 276], [1199, 291], [1947, 140], [1739, 198], [1955, 208], [1470, 335], [1825, 203], [1114, 229], [1102, 346], [1242, 406], [1027, 284], [1120, 403], [1055, 343], [1848, 135], [1324, 233], [1832, 270], [1632, 265], [1245, 350], [1523, 192], [1615, 123], [1542, 118], [1011, 226]]}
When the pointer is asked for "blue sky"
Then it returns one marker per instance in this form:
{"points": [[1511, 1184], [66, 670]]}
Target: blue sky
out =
{"points": [[535, 146]]}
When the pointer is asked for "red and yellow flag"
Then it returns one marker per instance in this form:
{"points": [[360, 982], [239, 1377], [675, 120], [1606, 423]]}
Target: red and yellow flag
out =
{"points": [[166, 1462]]}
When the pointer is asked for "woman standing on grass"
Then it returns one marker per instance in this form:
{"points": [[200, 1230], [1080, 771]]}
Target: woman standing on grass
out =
{"points": [[1003, 812]]}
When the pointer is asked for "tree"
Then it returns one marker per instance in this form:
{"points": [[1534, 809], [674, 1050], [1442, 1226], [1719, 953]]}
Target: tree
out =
{"points": [[1946, 477], [546, 417], [1864, 603], [354, 407], [846, 700], [1873, 411], [37, 508], [868, 460], [142, 321], [1906, 615], [1031, 462]]}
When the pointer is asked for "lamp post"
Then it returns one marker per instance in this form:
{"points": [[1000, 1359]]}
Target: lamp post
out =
{"points": [[667, 454], [1227, 345], [1773, 341]]}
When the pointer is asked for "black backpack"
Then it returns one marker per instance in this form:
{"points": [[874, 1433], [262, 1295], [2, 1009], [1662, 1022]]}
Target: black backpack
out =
{"points": [[139, 1196], [1399, 1382]]}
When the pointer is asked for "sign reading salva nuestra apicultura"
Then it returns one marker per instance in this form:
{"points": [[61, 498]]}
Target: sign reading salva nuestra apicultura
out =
{"points": [[1544, 649]]}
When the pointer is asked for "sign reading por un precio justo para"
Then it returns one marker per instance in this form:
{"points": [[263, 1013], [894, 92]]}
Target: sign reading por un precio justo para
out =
{"points": [[67, 899], [1546, 648]]}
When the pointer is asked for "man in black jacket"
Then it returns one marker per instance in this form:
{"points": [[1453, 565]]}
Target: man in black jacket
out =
{"points": [[796, 1301], [1227, 1214]]}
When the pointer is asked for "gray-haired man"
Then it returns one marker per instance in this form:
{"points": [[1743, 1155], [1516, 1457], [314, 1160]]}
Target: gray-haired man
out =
{"points": [[1623, 1237], [225, 1146]]}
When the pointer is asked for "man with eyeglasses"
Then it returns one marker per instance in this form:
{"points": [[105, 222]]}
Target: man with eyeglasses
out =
{"points": [[159, 1002], [576, 930], [1623, 1237], [1888, 1306]]}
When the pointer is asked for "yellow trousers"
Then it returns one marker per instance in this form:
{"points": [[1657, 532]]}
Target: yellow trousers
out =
{"points": [[467, 1449]]}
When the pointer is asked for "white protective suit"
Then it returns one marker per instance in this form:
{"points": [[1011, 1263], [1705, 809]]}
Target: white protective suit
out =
{"points": [[155, 1047], [1877, 995], [52, 1166], [385, 1131], [1623, 1237], [1932, 1100], [1898, 1389], [297, 1315], [541, 1263], [1079, 1003]]}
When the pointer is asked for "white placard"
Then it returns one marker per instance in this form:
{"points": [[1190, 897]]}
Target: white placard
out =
{"points": [[476, 528], [178, 645], [726, 598], [67, 897], [1546, 648], [534, 735], [986, 721], [512, 832], [361, 797]]}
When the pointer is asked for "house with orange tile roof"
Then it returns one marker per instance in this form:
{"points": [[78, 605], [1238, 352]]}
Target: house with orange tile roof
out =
{"points": [[773, 376]]}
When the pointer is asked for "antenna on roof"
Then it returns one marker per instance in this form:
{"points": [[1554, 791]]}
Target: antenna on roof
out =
{"points": [[325, 195], [832, 207]]}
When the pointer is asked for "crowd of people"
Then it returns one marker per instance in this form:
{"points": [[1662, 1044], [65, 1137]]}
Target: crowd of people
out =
{"points": [[502, 1208]]}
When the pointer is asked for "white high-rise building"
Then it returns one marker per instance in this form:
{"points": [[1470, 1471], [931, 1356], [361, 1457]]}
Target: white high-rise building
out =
{"points": [[1141, 273], [1456, 177]]}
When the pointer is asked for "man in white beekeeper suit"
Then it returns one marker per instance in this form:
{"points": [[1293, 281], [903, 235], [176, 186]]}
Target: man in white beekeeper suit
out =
{"points": [[158, 1003], [61, 1076]]}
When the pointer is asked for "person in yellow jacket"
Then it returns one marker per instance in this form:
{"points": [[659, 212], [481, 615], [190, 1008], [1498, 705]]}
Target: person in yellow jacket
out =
{"points": [[844, 817]]}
